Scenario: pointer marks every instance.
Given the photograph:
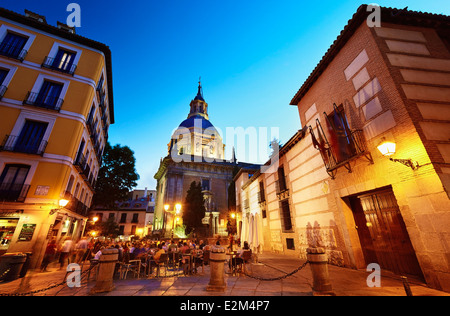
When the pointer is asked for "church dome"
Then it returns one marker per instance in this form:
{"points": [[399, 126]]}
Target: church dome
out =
{"points": [[197, 121]]}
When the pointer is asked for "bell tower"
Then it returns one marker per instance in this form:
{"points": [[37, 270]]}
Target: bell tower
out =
{"points": [[198, 105]]}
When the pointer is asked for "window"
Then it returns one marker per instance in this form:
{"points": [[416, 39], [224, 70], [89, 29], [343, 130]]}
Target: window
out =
{"points": [[340, 135], [12, 46], [111, 216], [123, 218], [79, 159], [261, 195], [281, 180], [290, 243], [70, 184], [3, 74], [205, 185], [30, 140], [49, 94], [135, 218], [286, 216], [12, 181], [64, 60]]}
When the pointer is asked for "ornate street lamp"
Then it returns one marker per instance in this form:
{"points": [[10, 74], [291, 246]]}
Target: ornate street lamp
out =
{"points": [[387, 149]]}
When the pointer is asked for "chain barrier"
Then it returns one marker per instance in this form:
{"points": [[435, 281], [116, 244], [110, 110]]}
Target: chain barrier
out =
{"points": [[277, 278], [4, 273], [83, 274]]}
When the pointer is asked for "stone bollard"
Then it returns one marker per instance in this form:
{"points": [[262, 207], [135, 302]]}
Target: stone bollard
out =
{"points": [[107, 264], [318, 261], [217, 259]]}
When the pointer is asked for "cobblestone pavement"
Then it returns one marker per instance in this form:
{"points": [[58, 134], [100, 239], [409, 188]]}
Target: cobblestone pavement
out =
{"points": [[345, 282]]}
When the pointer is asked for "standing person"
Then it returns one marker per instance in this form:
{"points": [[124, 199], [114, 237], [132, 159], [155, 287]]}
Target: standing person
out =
{"points": [[65, 251], [81, 250], [49, 255]]}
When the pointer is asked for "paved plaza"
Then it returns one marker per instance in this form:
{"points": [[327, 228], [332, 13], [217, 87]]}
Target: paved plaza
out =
{"points": [[345, 282]]}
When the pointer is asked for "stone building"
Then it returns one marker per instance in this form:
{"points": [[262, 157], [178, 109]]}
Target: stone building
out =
{"points": [[333, 187], [195, 153], [133, 216]]}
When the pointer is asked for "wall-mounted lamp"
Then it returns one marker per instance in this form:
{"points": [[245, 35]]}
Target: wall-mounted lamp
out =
{"points": [[387, 149], [62, 203]]}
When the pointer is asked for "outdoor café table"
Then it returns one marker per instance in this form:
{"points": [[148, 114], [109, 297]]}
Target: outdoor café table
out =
{"points": [[232, 263]]}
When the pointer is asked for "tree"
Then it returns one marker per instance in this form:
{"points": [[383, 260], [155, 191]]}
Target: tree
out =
{"points": [[194, 208], [116, 177], [108, 228]]}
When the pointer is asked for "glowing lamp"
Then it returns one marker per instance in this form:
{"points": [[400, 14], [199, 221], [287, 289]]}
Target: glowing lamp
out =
{"points": [[166, 207], [178, 208], [63, 202], [387, 148]]}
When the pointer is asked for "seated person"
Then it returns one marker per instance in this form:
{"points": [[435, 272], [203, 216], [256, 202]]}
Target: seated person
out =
{"points": [[239, 259], [156, 256]]}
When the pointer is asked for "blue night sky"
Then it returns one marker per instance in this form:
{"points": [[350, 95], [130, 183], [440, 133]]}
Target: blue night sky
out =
{"points": [[252, 55]]}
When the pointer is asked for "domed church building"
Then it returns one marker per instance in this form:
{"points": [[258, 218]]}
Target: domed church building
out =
{"points": [[195, 153]]}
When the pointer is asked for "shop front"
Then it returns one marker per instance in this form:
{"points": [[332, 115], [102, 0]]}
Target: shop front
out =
{"points": [[7, 228]]}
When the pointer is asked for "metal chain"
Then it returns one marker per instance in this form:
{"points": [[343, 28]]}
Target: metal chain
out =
{"points": [[47, 288], [4, 273], [278, 278]]}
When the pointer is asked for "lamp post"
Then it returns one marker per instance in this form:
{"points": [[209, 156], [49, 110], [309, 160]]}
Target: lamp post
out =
{"points": [[387, 149], [62, 204], [175, 212]]}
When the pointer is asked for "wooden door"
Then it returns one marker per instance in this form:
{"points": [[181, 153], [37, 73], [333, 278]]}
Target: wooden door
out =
{"points": [[383, 233]]}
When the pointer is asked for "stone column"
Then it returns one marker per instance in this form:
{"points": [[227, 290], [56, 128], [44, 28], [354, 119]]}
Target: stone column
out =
{"points": [[318, 262], [107, 264], [217, 259]]}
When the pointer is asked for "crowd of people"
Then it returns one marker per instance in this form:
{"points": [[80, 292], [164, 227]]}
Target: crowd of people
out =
{"points": [[148, 251]]}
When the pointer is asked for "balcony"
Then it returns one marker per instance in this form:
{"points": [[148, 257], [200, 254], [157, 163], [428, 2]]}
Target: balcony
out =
{"points": [[46, 102], [281, 189], [261, 197], [12, 143], [11, 192], [246, 204], [57, 65], [82, 166], [76, 205], [355, 148], [13, 51], [2, 91]]}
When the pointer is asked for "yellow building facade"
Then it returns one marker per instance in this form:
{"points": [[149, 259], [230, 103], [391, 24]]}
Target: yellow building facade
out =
{"points": [[56, 106]]}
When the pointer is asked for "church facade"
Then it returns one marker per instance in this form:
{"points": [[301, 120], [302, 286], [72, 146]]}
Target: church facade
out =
{"points": [[195, 153]]}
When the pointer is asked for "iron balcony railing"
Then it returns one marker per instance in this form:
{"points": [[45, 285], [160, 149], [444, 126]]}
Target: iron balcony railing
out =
{"points": [[281, 188], [11, 192], [82, 166], [32, 146], [76, 205], [261, 197], [54, 64], [355, 147], [246, 204], [46, 102], [13, 51], [2, 91]]}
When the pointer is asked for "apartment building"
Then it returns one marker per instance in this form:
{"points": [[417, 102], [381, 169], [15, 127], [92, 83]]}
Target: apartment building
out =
{"points": [[56, 107]]}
